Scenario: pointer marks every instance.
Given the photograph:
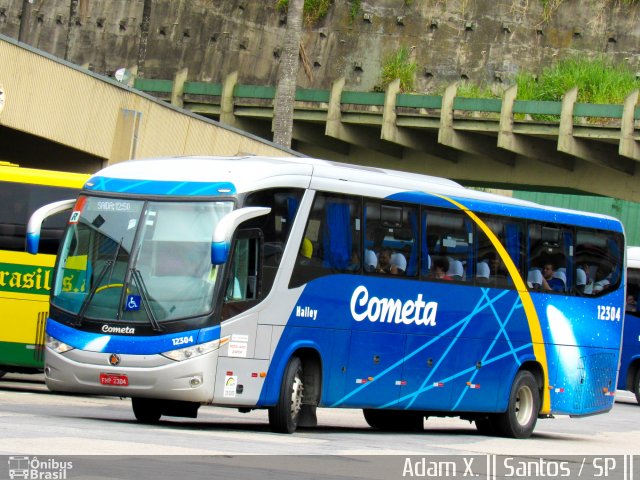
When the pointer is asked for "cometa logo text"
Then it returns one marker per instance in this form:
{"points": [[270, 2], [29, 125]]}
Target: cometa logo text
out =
{"points": [[392, 310], [110, 329]]}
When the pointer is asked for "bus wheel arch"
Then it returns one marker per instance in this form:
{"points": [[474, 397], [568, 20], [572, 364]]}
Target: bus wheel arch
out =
{"points": [[523, 408], [633, 378]]}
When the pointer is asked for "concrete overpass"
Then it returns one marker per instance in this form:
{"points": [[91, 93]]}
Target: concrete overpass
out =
{"points": [[500, 143], [59, 115], [56, 115]]}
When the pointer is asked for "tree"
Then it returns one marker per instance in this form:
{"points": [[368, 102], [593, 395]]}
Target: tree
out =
{"points": [[287, 74]]}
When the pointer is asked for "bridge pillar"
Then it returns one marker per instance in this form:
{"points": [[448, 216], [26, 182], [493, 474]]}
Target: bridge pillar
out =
{"points": [[594, 152], [177, 92], [534, 148], [628, 144]]}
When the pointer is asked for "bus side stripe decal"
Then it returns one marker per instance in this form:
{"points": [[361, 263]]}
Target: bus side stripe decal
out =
{"points": [[457, 375], [525, 297], [478, 308]]}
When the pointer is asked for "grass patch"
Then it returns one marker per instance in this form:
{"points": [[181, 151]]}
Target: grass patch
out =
{"points": [[598, 81], [313, 11], [398, 65]]}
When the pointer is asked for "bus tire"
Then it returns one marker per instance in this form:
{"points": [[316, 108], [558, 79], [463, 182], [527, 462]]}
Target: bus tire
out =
{"points": [[521, 416], [394, 420], [636, 385], [147, 410], [284, 416]]}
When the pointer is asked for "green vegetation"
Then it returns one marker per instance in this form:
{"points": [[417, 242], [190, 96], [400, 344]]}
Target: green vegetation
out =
{"points": [[355, 9], [598, 81], [313, 10], [399, 65], [471, 90]]}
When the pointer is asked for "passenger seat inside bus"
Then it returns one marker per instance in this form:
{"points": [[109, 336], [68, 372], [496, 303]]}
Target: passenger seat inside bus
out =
{"points": [[534, 278], [456, 270], [482, 272]]}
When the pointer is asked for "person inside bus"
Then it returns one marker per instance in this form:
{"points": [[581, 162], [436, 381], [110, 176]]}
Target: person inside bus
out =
{"points": [[631, 305], [550, 280], [375, 237], [384, 260], [603, 279], [439, 269], [497, 269]]}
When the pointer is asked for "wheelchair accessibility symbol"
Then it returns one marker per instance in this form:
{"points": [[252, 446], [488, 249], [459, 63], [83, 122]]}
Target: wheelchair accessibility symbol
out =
{"points": [[133, 303]]}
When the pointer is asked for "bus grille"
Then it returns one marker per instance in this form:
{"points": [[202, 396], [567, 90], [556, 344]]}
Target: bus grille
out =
{"points": [[597, 372], [38, 352]]}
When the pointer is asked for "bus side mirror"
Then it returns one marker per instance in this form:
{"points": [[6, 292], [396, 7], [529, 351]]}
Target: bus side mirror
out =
{"points": [[223, 233], [40, 215]]}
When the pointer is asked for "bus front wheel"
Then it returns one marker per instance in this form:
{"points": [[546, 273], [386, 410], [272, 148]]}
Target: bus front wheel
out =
{"points": [[522, 412], [284, 416], [146, 410]]}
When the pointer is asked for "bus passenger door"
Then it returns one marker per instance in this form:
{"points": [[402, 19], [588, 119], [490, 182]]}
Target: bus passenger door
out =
{"points": [[374, 370]]}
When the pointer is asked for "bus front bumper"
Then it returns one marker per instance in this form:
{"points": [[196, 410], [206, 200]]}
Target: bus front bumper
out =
{"points": [[147, 376]]}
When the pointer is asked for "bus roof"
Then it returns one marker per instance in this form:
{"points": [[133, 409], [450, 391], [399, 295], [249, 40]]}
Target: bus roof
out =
{"points": [[244, 174], [10, 172]]}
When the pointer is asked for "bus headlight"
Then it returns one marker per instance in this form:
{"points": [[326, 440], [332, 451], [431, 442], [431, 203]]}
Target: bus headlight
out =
{"points": [[192, 351], [56, 345]]}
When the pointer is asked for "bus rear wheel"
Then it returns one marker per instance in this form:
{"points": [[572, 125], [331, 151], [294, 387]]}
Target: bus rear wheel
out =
{"points": [[521, 416], [284, 416], [147, 410], [636, 386], [394, 420]]}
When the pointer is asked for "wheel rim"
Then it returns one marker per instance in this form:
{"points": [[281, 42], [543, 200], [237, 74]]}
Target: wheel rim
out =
{"points": [[524, 405], [296, 396]]}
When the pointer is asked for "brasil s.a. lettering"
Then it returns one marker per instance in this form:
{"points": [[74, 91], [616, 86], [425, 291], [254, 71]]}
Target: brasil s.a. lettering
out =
{"points": [[392, 310], [26, 279]]}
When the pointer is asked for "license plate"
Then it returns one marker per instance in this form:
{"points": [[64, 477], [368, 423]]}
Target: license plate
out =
{"points": [[114, 379]]}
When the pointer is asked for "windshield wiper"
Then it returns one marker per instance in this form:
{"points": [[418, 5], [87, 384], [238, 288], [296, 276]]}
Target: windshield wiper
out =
{"points": [[87, 301], [88, 298], [146, 302]]}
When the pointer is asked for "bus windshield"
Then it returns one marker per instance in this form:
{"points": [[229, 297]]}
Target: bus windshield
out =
{"points": [[138, 261]]}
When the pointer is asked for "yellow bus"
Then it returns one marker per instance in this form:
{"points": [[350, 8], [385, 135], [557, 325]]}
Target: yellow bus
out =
{"points": [[25, 280]]}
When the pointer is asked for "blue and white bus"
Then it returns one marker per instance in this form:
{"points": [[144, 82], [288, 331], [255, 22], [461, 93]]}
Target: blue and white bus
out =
{"points": [[629, 378], [289, 284]]}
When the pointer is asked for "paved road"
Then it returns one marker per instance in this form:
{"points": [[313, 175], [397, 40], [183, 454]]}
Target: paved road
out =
{"points": [[34, 421]]}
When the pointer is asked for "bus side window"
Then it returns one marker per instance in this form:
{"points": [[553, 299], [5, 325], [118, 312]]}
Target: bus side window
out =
{"points": [[598, 262], [446, 245], [242, 287], [391, 239], [331, 242], [275, 227]]}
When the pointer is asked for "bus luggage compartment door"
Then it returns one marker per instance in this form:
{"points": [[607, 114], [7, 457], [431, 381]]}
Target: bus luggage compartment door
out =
{"points": [[375, 369]]}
